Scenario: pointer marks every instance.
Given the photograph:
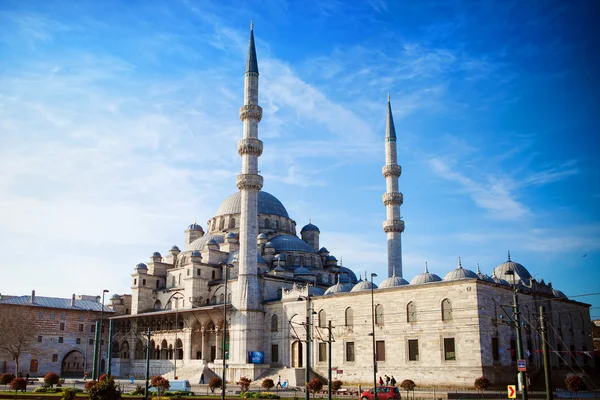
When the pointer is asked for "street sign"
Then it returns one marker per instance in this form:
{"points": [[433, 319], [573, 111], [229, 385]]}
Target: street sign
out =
{"points": [[512, 392], [521, 365]]}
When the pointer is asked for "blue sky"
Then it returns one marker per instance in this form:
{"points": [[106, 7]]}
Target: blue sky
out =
{"points": [[119, 125]]}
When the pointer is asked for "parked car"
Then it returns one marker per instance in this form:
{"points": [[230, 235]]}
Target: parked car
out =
{"points": [[383, 393]]}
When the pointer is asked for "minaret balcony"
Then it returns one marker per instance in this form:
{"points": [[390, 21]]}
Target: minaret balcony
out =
{"points": [[251, 111], [249, 182], [393, 199], [396, 225], [251, 146], [391, 170]]}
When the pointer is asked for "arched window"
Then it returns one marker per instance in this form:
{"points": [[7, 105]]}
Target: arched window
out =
{"points": [[213, 275], [267, 223], [319, 278], [232, 222], [125, 350], [279, 293], [274, 323], [349, 317], [221, 298], [170, 352], [287, 226], [379, 314], [115, 350], [302, 261], [229, 298], [169, 305], [157, 305], [213, 300], [277, 224], [222, 224], [179, 350], [139, 350], [173, 281], [446, 310], [322, 319], [289, 260], [411, 312], [164, 350]]}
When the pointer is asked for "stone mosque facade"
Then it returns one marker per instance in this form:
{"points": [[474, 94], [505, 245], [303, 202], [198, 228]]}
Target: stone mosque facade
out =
{"points": [[275, 286]]}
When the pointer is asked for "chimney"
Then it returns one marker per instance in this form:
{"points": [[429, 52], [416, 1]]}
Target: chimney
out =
{"points": [[33, 297], [73, 300]]}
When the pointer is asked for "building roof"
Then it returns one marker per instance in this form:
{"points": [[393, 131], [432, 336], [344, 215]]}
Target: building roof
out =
{"points": [[56, 302], [425, 277], [199, 243], [267, 204], [291, 243], [460, 273], [310, 228], [393, 281], [521, 273]]}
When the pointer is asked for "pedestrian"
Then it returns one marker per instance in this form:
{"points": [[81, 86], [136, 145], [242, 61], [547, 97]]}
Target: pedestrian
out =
{"points": [[27, 378], [202, 379], [393, 381], [387, 380], [380, 381], [278, 382]]}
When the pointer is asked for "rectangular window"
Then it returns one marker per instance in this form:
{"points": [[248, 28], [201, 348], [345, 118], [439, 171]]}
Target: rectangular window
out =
{"points": [[413, 350], [188, 272], [39, 339], [61, 326], [61, 339], [51, 315], [495, 349], [135, 281], [157, 283], [350, 351], [80, 327], [274, 353], [93, 328], [63, 316], [78, 341], [380, 346], [54, 357], [143, 282], [322, 351], [449, 349], [198, 272], [91, 342]]}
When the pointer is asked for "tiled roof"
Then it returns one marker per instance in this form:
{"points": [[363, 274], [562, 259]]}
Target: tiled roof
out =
{"points": [[56, 302]]}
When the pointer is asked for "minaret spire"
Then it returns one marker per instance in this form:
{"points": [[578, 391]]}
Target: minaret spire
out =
{"points": [[246, 319], [392, 199]]}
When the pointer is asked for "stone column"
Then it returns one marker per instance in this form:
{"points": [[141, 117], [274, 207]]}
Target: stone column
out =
{"points": [[202, 347]]}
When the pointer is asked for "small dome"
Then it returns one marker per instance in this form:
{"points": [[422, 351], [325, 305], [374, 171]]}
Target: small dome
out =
{"points": [[141, 266], [323, 250], [499, 281], [230, 235], [302, 271], [339, 288], [212, 241], [262, 236], [175, 248], [460, 273], [310, 228], [425, 277], [521, 273], [196, 253], [331, 258], [558, 293], [363, 285], [291, 243], [156, 254], [347, 275], [269, 245], [195, 227], [393, 281], [115, 297]]}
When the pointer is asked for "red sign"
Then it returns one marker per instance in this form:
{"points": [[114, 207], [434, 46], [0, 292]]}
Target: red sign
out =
{"points": [[512, 392]]}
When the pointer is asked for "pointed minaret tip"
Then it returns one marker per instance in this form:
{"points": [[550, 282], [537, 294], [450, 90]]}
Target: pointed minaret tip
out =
{"points": [[390, 129], [252, 24], [251, 62], [426, 268], [509, 255], [388, 97], [459, 264], [478, 270]]}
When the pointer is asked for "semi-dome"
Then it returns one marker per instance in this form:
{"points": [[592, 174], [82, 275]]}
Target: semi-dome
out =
{"points": [[291, 243], [267, 204], [310, 228], [425, 277], [141, 266], [262, 236], [521, 273], [235, 257], [195, 227], [331, 258], [558, 293], [199, 243], [302, 271], [460, 273], [393, 281], [351, 276]]}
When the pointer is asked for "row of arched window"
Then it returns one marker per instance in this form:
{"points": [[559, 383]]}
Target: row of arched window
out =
{"points": [[162, 351]]}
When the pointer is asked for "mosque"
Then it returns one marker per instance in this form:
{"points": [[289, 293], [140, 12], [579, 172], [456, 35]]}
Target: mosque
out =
{"points": [[251, 294]]}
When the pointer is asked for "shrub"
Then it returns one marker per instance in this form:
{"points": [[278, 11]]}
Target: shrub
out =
{"points": [[267, 383], [408, 385], [105, 390], [89, 384], [51, 379], [575, 383], [244, 383], [139, 390], [214, 383], [336, 385], [68, 394], [5, 379], [315, 385], [482, 383], [18, 384]]}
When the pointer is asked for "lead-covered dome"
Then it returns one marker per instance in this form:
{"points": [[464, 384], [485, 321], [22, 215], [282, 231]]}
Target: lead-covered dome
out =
{"points": [[425, 277], [310, 228], [521, 273], [267, 204], [199, 243], [393, 281], [363, 285], [291, 243], [460, 273]]}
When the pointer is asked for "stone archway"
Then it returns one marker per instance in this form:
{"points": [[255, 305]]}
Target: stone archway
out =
{"points": [[73, 365], [297, 354]]}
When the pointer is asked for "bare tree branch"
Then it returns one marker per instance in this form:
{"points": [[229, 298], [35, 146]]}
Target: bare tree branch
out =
{"points": [[16, 335]]}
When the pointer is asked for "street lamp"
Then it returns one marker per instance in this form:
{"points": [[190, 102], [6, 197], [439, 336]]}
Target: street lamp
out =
{"points": [[226, 267], [521, 374], [308, 315], [101, 329], [176, 298], [373, 275]]}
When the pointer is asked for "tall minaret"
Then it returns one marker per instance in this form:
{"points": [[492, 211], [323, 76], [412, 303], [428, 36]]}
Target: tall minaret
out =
{"points": [[392, 199], [247, 316]]}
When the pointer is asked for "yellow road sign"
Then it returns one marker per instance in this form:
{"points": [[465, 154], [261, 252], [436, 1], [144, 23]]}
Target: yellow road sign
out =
{"points": [[512, 391]]}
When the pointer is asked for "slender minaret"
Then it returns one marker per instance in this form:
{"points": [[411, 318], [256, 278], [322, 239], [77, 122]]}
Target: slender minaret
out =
{"points": [[247, 317], [392, 199]]}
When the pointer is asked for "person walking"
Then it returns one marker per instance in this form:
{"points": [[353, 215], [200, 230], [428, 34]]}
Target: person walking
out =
{"points": [[387, 380], [380, 381], [202, 378], [278, 386], [393, 381]]}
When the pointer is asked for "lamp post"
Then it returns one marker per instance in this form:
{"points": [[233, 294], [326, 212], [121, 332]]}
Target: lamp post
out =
{"points": [[226, 267], [176, 298], [521, 374], [373, 275], [307, 372], [147, 375], [101, 328]]}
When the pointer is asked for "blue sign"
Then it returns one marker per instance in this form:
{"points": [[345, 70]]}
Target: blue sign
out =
{"points": [[256, 357]]}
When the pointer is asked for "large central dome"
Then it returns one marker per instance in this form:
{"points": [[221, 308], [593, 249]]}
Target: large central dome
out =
{"points": [[267, 204]]}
